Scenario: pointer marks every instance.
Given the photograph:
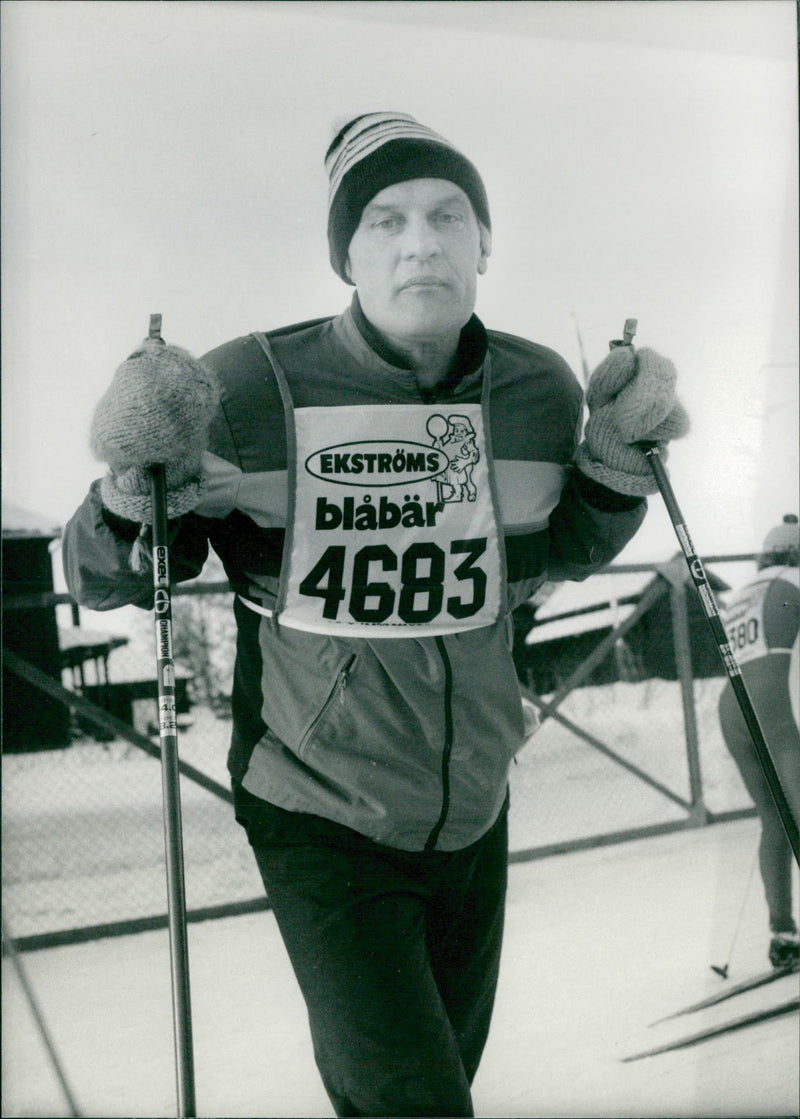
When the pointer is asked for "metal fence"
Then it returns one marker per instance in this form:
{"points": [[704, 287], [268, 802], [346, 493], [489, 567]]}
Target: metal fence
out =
{"points": [[83, 846]]}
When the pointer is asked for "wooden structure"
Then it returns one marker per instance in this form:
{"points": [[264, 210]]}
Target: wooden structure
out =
{"points": [[31, 721], [561, 634]]}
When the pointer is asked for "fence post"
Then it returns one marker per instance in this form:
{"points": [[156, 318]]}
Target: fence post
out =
{"points": [[677, 576]]}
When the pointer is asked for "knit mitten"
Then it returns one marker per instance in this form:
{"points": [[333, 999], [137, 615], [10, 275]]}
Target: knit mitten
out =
{"points": [[156, 410], [631, 398]]}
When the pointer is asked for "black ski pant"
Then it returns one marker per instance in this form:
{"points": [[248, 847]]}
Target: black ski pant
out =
{"points": [[397, 954]]}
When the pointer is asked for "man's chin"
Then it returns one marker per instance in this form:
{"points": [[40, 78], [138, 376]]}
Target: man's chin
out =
{"points": [[428, 323]]}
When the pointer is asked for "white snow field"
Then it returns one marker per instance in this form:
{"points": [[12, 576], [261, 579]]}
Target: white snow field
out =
{"points": [[599, 944]]}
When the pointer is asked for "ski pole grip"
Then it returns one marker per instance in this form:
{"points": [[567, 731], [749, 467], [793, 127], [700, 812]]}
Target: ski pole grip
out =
{"points": [[155, 329], [628, 334], [647, 446], [154, 334]]}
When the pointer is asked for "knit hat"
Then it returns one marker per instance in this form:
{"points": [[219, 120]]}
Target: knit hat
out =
{"points": [[375, 151], [784, 537]]}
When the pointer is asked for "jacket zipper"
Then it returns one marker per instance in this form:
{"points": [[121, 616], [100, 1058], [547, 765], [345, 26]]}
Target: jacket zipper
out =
{"points": [[448, 743], [338, 689]]}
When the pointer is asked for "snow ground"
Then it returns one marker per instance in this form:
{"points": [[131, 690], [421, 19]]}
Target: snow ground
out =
{"points": [[599, 944]]}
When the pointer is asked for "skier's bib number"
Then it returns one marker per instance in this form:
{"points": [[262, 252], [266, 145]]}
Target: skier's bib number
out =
{"points": [[420, 595], [743, 635], [743, 619], [393, 525]]}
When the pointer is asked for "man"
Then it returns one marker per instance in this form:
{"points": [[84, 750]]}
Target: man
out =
{"points": [[375, 704], [762, 621]]}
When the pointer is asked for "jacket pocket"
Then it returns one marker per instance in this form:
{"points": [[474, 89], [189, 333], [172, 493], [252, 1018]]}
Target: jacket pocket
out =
{"points": [[336, 695]]}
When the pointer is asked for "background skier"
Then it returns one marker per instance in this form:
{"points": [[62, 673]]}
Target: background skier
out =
{"points": [[375, 703], [762, 621]]}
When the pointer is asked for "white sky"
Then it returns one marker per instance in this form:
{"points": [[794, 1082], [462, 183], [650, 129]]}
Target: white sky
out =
{"points": [[640, 160]]}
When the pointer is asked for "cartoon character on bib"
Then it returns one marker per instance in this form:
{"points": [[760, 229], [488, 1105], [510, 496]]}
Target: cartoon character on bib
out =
{"points": [[455, 436]]}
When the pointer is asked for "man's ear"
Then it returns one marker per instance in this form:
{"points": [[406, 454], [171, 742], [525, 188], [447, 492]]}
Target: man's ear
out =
{"points": [[347, 271], [485, 248]]}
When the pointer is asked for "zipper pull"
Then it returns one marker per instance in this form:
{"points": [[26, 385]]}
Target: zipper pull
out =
{"points": [[344, 679]]}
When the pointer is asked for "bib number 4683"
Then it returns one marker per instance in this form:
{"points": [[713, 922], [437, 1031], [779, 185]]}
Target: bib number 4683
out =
{"points": [[423, 569]]}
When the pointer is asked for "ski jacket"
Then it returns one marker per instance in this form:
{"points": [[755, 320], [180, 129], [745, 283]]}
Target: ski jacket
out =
{"points": [[407, 739]]}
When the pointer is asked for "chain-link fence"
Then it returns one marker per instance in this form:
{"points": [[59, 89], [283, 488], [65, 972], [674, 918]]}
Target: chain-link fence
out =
{"points": [[83, 840], [83, 824]]}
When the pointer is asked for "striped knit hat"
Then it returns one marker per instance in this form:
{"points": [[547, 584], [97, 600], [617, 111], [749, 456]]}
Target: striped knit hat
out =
{"points": [[375, 151]]}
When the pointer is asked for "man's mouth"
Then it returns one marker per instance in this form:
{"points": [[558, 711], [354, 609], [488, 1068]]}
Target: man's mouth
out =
{"points": [[422, 282]]}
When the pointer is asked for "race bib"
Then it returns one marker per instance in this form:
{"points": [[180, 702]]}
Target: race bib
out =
{"points": [[394, 527], [743, 619]]}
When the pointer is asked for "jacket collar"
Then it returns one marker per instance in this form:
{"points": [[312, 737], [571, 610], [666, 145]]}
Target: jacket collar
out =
{"points": [[472, 348]]}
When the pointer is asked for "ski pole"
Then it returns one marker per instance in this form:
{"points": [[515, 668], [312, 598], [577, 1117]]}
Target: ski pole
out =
{"points": [[173, 839], [708, 602], [722, 970], [10, 947]]}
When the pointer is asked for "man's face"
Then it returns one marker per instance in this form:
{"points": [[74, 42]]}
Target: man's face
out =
{"points": [[415, 259]]}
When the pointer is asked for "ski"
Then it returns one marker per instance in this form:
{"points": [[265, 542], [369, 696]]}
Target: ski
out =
{"points": [[751, 984], [717, 1031]]}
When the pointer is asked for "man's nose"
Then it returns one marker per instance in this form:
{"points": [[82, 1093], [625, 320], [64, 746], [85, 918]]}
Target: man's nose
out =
{"points": [[420, 239]]}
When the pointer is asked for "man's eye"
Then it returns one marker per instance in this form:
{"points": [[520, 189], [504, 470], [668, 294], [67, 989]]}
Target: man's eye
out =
{"points": [[387, 223], [446, 218]]}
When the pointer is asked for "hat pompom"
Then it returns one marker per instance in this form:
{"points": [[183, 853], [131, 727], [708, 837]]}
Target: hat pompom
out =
{"points": [[785, 537]]}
